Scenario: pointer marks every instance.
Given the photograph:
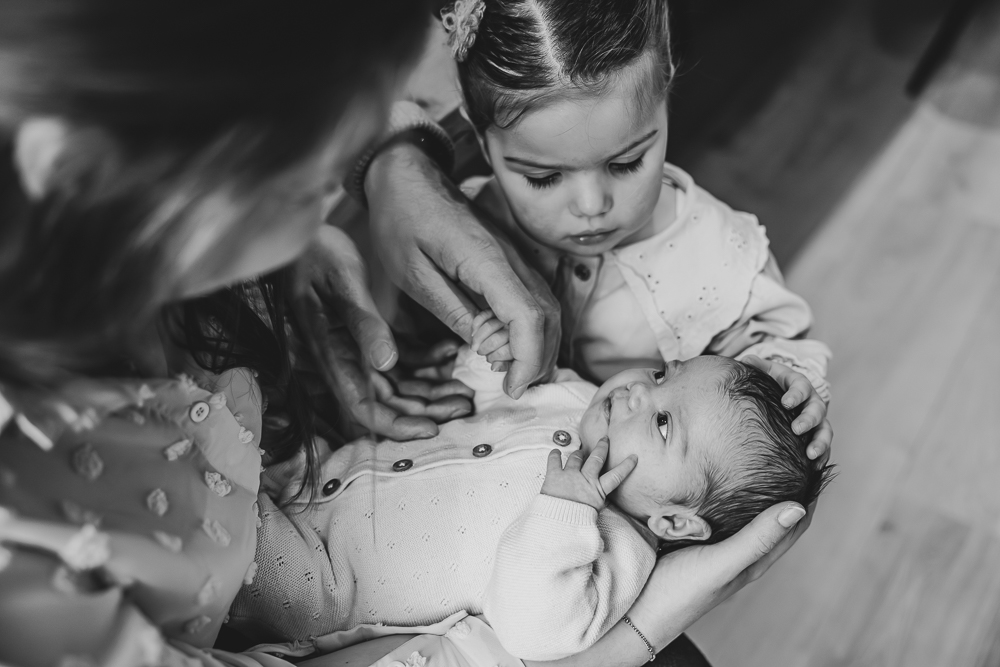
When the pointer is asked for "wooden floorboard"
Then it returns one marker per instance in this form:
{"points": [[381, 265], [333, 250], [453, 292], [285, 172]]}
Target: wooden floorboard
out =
{"points": [[902, 563]]}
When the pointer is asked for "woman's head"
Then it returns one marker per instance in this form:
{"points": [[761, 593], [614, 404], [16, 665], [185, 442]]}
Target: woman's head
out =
{"points": [[155, 149], [569, 100]]}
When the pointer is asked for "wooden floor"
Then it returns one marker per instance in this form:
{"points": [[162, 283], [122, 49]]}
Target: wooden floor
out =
{"points": [[901, 566]]}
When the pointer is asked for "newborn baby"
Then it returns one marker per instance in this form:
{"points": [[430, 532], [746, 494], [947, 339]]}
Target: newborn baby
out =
{"points": [[484, 518]]}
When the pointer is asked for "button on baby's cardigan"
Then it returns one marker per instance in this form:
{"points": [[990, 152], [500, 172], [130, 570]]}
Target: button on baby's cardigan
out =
{"points": [[582, 272], [402, 464], [479, 451], [330, 487], [562, 438], [199, 412], [87, 463]]}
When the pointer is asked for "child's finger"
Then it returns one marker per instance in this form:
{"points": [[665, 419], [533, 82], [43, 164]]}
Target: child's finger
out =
{"points": [[494, 342], [484, 331], [481, 318], [575, 460], [610, 480], [819, 446], [504, 353], [594, 464], [554, 462]]}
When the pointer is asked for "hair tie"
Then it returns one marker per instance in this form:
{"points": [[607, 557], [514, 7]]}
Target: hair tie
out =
{"points": [[461, 22]]}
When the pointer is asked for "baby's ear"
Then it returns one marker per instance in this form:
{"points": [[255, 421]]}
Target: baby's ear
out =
{"points": [[679, 523]]}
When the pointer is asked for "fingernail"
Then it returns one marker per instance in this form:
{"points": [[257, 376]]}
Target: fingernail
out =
{"points": [[791, 516], [787, 402], [382, 355], [495, 366], [428, 434], [516, 392]]}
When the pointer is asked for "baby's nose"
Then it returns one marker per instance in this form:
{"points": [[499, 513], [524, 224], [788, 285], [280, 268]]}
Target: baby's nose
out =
{"points": [[636, 392]]}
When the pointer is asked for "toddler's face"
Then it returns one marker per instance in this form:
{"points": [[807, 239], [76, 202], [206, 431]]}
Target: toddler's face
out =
{"points": [[583, 175], [673, 419]]}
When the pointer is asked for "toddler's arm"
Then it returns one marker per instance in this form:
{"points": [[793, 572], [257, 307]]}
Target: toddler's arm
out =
{"points": [[566, 571], [773, 326]]}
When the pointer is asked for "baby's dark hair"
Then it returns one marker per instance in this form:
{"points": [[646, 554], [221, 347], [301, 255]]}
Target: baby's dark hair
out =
{"points": [[527, 52], [769, 464]]}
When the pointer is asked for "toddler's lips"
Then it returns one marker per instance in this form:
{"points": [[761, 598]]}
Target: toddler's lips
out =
{"points": [[591, 239]]}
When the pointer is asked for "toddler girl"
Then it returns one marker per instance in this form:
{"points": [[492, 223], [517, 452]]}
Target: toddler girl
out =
{"points": [[483, 518], [569, 101]]}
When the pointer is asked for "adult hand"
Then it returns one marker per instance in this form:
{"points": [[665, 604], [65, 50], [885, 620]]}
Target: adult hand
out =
{"points": [[437, 248], [356, 351], [798, 391], [689, 582]]}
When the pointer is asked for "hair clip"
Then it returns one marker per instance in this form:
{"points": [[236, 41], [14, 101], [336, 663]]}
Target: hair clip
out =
{"points": [[461, 22]]}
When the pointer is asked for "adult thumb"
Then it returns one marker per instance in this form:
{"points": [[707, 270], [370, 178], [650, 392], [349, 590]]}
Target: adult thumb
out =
{"points": [[761, 542]]}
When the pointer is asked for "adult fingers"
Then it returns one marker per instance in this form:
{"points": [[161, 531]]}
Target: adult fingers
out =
{"points": [[812, 414], [383, 420], [610, 480], [757, 540], [433, 391], [339, 278], [821, 443], [359, 400], [442, 297], [539, 289], [490, 275], [443, 408]]}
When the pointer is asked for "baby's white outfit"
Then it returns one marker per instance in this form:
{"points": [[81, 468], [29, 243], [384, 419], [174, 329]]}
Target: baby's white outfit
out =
{"points": [[417, 531], [707, 284]]}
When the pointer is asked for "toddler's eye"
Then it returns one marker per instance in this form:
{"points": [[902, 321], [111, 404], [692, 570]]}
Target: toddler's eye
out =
{"points": [[626, 167], [662, 422], [541, 182]]}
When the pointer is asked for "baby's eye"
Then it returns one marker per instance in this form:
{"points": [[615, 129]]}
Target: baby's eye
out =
{"points": [[660, 374], [541, 182], [626, 167], [662, 422]]}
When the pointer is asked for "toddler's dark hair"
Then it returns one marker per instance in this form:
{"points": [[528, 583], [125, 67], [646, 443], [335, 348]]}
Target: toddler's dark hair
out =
{"points": [[528, 51], [769, 464]]}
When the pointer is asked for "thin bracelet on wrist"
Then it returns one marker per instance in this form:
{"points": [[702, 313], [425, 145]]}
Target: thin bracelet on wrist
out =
{"points": [[649, 647]]}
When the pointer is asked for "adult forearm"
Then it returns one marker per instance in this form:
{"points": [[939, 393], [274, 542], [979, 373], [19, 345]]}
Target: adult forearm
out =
{"points": [[620, 647]]}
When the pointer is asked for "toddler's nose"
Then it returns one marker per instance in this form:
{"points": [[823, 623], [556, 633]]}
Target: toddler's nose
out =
{"points": [[592, 199]]}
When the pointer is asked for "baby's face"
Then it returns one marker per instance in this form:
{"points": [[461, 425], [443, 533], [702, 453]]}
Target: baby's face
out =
{"points": [[673, 419], [583, 175]]}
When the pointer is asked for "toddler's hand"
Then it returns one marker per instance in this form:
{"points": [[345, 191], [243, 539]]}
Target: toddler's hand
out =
{"points": [[491, 339], [581, 481], [799, 390]]}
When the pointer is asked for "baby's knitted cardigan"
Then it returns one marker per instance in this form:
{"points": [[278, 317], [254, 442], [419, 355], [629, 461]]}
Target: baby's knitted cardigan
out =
{"points": [[417, 531]]}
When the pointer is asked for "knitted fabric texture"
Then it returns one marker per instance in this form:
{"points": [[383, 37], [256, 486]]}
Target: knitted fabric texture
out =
{"points": [[290, 593]]}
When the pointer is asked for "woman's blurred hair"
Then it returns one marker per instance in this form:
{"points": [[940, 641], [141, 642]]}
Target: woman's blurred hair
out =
{"points": [[167, 103]]}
